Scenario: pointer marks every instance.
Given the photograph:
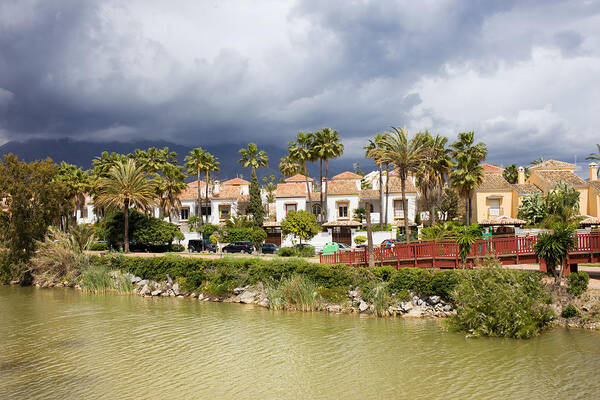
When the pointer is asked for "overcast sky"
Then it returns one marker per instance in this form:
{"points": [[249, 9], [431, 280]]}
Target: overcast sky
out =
{"points": [[524, 75]]}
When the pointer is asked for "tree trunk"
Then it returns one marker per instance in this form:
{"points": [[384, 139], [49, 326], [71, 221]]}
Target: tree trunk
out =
{"points": [[404, 207], [200, 199], [387, 193], [370, 258], [321, 185], [126, 224], [467, 209], [207, 202], [309, 209], [326, 189], [431, 214], [470, 210], [381, 204]]}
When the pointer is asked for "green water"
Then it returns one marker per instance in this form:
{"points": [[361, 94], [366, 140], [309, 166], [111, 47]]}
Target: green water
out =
{"points": [[63, 344]]}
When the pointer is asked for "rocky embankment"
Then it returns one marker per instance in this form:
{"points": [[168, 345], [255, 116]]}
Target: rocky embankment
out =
{"points": [[432, 306]]}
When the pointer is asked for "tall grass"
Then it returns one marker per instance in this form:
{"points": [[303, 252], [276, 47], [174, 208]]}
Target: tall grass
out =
{"points": [[296, 292], [99, 279], [380, 299]]}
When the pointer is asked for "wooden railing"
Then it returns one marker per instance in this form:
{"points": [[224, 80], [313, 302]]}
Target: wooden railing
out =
{"points": [[446, 253]]}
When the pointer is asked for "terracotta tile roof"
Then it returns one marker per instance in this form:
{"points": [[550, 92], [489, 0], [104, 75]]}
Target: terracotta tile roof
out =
{"points": [[369, 194], [236, 181], [491, 169], [346, 175], [290, 190], [195, 183], [396, 187], [595, 185], [271, 224], [228, 193], [297, 178], [590, 221], [347, 222], [342, 187], [552, 165], [494, 182], [526, 188], [503, 221], [190, 193], [553, 178]]}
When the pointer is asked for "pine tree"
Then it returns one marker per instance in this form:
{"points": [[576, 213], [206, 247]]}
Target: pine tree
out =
{"points": [[255, 206]]}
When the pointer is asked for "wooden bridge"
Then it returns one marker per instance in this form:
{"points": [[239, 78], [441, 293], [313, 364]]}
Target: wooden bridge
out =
{"points": [[444, 254]]}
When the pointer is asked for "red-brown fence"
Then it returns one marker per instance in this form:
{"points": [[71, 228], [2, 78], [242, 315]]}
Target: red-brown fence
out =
{"points": [[445, 254]]}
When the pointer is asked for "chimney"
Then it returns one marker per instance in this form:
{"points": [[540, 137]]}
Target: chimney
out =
{"points": [[593, 171], [521, 179]]}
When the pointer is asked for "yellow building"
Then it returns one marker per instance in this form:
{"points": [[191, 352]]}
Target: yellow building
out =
{"points": [[494, 197]]}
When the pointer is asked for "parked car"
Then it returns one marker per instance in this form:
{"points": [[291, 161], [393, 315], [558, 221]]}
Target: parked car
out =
{"points": [[269, 248], [344, 246], [239, 247], [200, 245]]}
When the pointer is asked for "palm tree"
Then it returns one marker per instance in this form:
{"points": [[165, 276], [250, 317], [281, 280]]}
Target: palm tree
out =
{"points": [[253, 158], [467, 174], [326, 145], [301, 151], [554, 247], [537, 161], [373, 144], [432, 175], [288, 167], [169, 186], [197, 162], [76, 183], [595, 157], [125, 185], [406, 155], [511, 173]]}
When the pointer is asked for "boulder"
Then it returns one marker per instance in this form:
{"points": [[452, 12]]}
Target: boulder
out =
{"points": [[247, 297], [447, 308], [406, 306], [264, 302], [156, 292], [194, 295], [334, 308], [239, 290], [200, 296], [420, 302], [143, 282], [363, 306], [353, 293], [176, 288], [145, 290], [415, 312], [434, 299]]}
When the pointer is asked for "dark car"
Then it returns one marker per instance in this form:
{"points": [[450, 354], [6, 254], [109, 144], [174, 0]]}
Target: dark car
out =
{"points": [[239, 247], [200, 245], [269, 248]]}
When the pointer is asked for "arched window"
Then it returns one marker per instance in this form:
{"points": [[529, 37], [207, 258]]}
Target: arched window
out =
{"points": [[316, 209]]}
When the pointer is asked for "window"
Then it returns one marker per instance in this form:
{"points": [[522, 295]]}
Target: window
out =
{"points": [[371, 208], [184, 213], [398, 209], [290, 207], [342, 210], [316, 209], [84, 212], [206, 210], [224, 212]]}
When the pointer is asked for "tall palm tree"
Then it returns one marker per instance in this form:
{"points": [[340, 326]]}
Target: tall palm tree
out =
{"points": [[511, 173], [210, 164], [302, 152], [197, 162], [595, 157], [288, 167], [326, 145], [406, 155], [467, 174], [537, 161], [253, 158], [432, 174], [169, 186], [125, 185], [76, 184], [373, 144]]}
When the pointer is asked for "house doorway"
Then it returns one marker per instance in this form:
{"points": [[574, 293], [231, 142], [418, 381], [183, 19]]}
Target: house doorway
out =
{"points": [[342, 234], [274, 236]]}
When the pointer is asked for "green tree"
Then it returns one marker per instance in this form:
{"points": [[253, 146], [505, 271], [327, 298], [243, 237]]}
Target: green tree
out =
{"points": [[288, 167], [301, 224], [554, 247], [449, 204], [76, 183], [595, 157], [326, 145], [432, 175], [253, 158], [467, 174], [533, 208], [406, 155], [258, 238], [301, 151], [373, 144], [465, 237], [126, 185], [197, 162], [270, 188], [537, 161], [32, 201], [169, 186]]}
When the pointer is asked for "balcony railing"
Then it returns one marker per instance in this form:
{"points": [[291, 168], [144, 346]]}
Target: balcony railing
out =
{"points": [[495, 212]]}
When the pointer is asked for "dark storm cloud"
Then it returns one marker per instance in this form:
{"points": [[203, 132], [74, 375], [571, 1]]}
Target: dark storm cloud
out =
{"points": [[127, 70]]}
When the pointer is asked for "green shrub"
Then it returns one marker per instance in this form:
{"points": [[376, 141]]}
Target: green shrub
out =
{"points": [[99, 246], [231, 235], [578, 283], [178, 248], [569, 312], [493, 301], [286, 252], [380, 299], [296, 292], [298, 251], [333, 295], [360, 239]]}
